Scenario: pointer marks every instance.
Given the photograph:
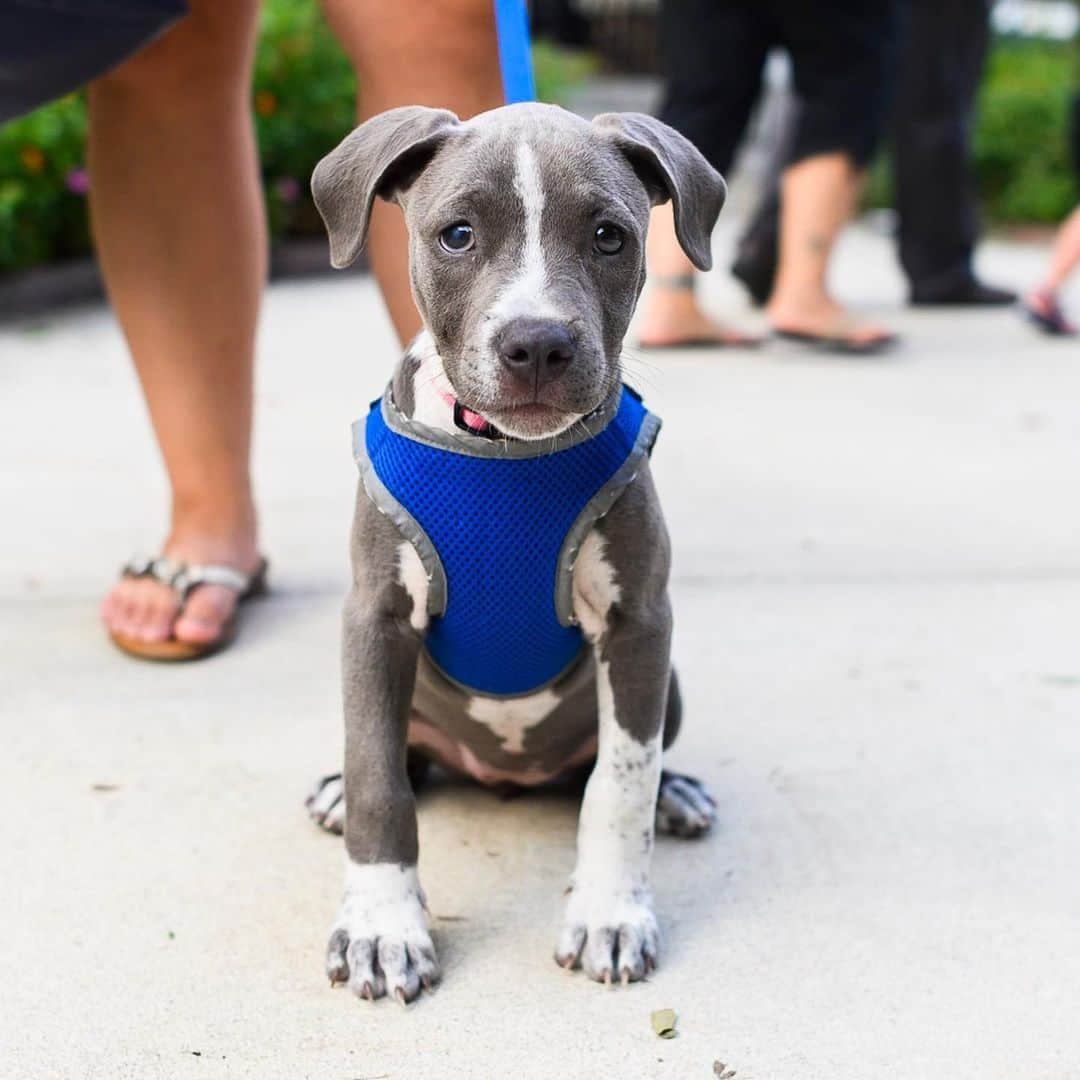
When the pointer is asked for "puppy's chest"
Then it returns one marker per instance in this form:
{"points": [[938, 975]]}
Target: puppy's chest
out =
{"points": [[524, 740]]}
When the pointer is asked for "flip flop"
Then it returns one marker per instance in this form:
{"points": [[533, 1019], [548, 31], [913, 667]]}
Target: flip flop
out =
{"points": [[1049, 318], [839, 342], [737, 341], [184, 579], [685, 283]]}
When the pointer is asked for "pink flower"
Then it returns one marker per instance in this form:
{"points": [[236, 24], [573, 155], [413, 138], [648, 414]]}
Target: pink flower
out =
{"points": [[288, 189], [78, 181]]}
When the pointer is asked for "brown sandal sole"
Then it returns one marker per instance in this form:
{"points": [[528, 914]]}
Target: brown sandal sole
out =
{"points": [[173, 651]]}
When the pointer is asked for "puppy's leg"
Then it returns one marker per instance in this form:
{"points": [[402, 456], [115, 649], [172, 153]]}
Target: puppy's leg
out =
{"points": [[379, 943], [684, 806], [326, 803], [609, 926]]}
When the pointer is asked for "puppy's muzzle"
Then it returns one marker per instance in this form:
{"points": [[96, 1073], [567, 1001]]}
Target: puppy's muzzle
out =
{"points": [[535, 352]]}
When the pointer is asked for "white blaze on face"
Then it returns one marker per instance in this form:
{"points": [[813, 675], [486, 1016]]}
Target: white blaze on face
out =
{"points": [[526, 291]]}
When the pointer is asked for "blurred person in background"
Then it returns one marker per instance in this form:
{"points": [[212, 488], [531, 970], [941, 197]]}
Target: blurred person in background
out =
{"points": [[943, 48], [713, 55], [1043, 306], [180, 231]]}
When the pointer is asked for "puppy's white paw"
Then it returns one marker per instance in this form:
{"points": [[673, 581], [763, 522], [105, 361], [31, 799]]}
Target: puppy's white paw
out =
{"points": [[610, 933], [684, 807], [380, 943], [326, 804]]}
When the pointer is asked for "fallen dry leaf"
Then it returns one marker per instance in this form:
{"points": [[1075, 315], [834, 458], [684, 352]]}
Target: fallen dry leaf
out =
{"points": [[663, 1023]]}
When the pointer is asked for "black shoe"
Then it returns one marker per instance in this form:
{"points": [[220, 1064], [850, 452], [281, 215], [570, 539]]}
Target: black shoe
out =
{"points": [[970, 292]]}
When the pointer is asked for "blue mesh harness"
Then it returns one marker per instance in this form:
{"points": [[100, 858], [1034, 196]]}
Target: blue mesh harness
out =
{"points": [[497, 525]]}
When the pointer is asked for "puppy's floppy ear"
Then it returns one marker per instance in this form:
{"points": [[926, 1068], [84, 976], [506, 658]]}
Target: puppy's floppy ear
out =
{"points": [[383, 156], [671, 167]]}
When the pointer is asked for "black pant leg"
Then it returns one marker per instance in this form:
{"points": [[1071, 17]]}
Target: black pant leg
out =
{"points": [[944, 45], [843, 60], [47, 50], [713, 52]]}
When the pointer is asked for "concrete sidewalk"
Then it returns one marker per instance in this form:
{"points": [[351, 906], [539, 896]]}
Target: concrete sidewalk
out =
{"points": [[877, 595]]}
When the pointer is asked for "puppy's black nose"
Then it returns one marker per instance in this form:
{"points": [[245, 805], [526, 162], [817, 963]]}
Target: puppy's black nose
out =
{"points": [[535, 351]]}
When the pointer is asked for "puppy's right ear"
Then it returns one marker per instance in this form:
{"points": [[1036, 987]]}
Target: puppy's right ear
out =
{"points": [[383, 156]]}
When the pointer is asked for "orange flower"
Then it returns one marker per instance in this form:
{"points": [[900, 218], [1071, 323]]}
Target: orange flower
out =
{"points": [[265, 103], [32, 158]]}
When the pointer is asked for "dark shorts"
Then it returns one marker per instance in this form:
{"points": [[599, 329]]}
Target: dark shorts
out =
{"points": [[50, 47], [842, 55]]}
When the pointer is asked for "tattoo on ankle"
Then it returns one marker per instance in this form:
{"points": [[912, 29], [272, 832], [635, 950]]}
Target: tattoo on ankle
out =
{"points": [[817, 244]]}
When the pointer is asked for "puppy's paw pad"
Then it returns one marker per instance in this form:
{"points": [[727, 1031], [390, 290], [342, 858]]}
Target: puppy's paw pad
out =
{"points": [[326, 804], [613, 938], [683, 807], [380, 945]]}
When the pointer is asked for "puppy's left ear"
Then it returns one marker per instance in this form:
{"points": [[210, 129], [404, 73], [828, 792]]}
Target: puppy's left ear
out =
{"points": [[671, 167], [383, 157]]}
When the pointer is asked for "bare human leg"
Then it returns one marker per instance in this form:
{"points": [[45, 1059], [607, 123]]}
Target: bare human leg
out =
{"points": [[178, 220], [818, 198], [671, 315], [1042, 304], [441, 53]]}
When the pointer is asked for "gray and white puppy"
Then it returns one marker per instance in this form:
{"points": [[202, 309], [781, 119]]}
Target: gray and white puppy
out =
{"points": [[527, 255]]}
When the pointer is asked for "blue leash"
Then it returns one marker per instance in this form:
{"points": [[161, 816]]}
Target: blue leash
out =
{"points": [[515, 55]]}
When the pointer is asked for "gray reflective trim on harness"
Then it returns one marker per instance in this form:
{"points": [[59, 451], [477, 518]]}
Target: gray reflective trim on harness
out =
{"points": [[406, 524], [593, 511]]}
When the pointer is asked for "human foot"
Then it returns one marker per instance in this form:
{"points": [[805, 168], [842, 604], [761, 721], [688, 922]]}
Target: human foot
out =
{"points": [[1043, 309], [823, 322], [671, 318], [143, 609]]}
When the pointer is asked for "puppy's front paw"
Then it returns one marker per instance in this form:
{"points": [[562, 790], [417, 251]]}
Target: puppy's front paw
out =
{"points": [[380, 943], [683, 806], [611, 933], [326, 804]]}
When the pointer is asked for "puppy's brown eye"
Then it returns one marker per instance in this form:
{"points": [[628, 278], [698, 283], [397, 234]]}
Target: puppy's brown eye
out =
{"points": [[608, 239], [457, 238]]}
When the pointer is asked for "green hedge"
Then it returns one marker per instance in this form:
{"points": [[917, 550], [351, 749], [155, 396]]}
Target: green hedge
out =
{"points": [[304, 97], [1021, 143]]}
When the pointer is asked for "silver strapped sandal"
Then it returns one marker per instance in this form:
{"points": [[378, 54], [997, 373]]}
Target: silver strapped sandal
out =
{"points": [[184, 579]]}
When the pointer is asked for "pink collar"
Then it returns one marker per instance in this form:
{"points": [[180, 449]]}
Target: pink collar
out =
{"points": [[472, 421]]}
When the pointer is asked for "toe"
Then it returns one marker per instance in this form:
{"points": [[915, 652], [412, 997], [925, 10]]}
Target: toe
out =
{"points": [[571, 942], [337, 966], [365, 980], [402, 981], [158, 613], [598, 957], [422, 960], [205, 614], [631, 954], [117, 607], [137, 608]]}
